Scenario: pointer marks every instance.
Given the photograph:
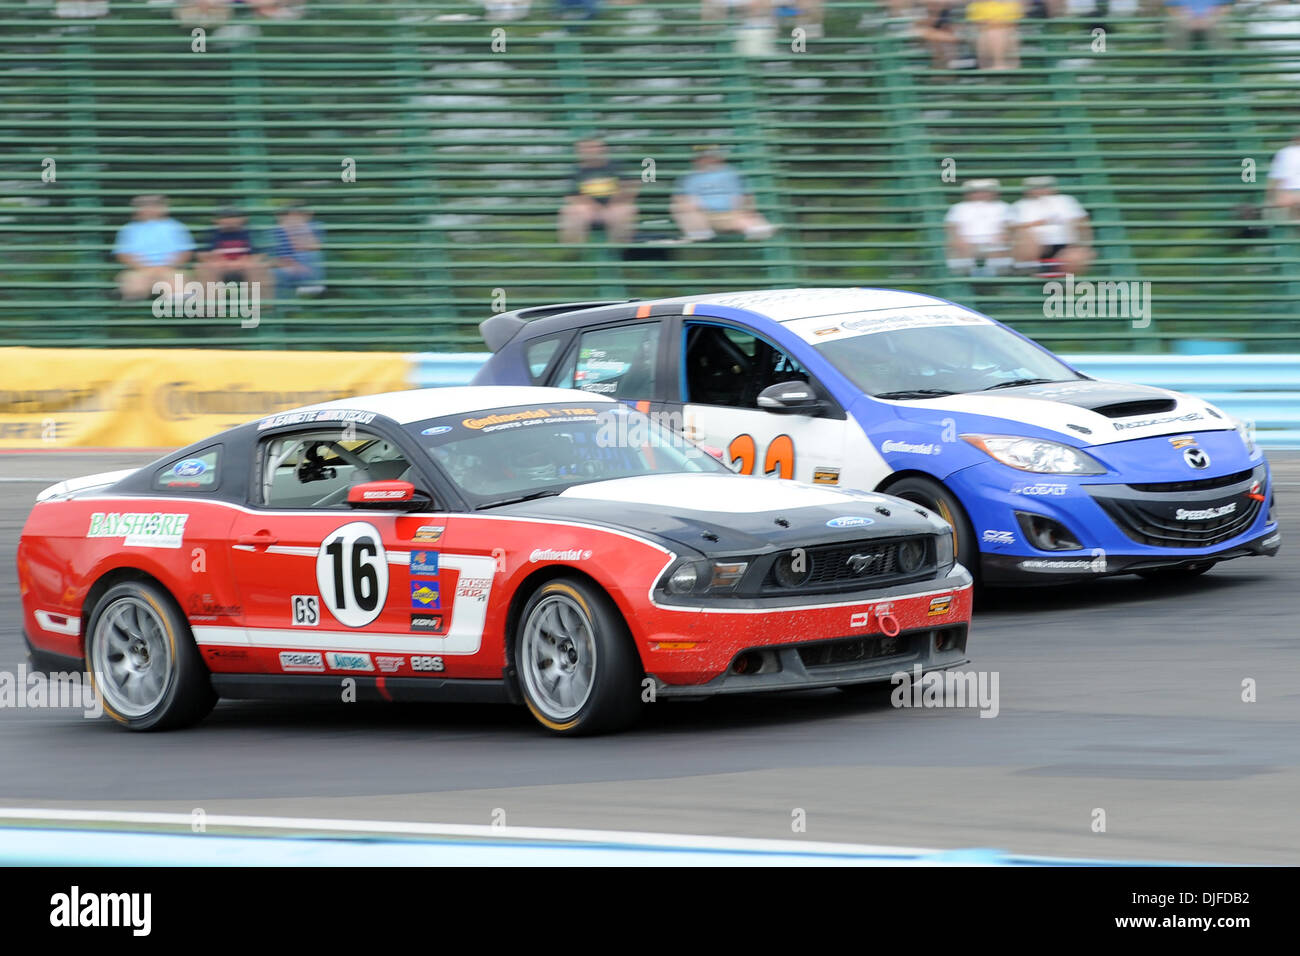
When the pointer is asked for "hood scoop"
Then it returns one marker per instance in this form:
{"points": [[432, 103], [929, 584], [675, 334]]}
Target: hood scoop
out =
{"points": [[1150, 406]]}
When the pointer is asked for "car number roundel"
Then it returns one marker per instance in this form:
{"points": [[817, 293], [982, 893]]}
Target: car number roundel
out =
{"points": [[352, 573]]}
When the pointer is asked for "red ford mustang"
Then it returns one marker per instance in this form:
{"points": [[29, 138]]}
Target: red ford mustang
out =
{"points": [[522, 544]]}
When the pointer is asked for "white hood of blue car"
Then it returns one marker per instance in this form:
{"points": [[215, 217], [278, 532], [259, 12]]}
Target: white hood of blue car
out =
{"points": [[1089, 411]]}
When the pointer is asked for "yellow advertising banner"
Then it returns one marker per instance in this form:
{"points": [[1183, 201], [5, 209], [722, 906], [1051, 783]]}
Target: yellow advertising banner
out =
{"points": [[165, 398]]}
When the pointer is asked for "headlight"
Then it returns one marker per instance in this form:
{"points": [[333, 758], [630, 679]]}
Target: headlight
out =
{"points": [[1247, 432], [792, 569], [703, 577], [944, 550], [1036, 455], [684, 578], [911, 555]]}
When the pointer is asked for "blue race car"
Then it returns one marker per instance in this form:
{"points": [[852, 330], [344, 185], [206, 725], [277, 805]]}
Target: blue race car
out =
{"points": [[1045, 474]]}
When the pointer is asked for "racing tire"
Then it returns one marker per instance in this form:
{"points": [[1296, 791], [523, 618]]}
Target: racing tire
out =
{"points": [[934, 496], [1172, 575], [141, 657], [578, 671]]}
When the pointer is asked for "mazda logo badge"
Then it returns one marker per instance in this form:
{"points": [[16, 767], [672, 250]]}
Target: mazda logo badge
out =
{"points": [[860, 562], [1196, 458]]}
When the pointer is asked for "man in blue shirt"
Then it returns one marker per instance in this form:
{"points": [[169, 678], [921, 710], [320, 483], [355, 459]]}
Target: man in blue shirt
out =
{"points": [[713, 199], [1203, 18], [296, 252], [153, 247]]}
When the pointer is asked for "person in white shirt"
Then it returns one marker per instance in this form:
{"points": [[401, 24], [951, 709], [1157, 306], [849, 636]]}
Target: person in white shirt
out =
{"points": [[1051, 225], [977, 230], [1284, 180]]}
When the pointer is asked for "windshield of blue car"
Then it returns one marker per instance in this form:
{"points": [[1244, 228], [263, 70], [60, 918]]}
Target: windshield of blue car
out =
{"points": [[915, 361], [502, 455]]}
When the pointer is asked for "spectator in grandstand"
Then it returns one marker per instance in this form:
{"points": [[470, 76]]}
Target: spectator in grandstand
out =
{"points": [[1050, 225], [230, 255], [297, 258], [153, 247], [978, 231], [1196, 18], [939, 34], [1284, 180], [713, 199], [202, 11], [997, 42], [600, 197]]}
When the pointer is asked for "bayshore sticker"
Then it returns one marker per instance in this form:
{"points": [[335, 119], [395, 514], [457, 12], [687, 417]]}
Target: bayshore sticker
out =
{"points": [[139, 529]]}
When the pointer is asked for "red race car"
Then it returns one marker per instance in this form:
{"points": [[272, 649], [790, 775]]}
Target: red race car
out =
{"points": [[533, 545]]}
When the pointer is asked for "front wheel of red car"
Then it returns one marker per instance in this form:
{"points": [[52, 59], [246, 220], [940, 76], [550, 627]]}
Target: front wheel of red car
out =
{"points": [[577, 668], [141, 655]]}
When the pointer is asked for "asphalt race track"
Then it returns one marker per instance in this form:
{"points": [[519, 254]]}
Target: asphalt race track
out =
{"points": [[1123, 696]]}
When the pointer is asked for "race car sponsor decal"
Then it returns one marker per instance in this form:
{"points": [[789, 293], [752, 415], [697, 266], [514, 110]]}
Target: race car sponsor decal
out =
{"points": [[1182, 441], [827, 331], [198, 472], [425, 596], [352, 573], [1040, 489], [349, 661], [553, 554], [1168, 419], [426, 622], [473, 588], [436, 430], [389, 664], [1205, 514], [514, 419], [384, 494], [912, 448], [139, 529], [425, 663], [1096, 564], [826, 476], [202, 607], [304, 610], [424, 562], [940, 605], [890, 320], [859, 619], [999, 537], [354, 416], [850, 521], [429, 532], [293, 661]]}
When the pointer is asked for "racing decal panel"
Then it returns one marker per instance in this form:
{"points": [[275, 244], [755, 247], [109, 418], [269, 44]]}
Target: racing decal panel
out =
{"points": [[822, 451]]}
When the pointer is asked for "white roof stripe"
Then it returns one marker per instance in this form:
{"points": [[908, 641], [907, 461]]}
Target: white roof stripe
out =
{"points": [[417, 404]]}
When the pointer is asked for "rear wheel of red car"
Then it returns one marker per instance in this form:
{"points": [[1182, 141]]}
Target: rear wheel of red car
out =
{"points": [[934, 496], [578, 671], [141, 655]]}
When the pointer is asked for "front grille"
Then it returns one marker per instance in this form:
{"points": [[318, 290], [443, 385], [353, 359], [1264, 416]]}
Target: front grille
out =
{"points": [[1198, 484], [851, 650], [1144, 523], [853, 565]]}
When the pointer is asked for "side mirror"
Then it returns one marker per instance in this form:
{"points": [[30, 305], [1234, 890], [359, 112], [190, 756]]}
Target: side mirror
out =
{"points": [[790, 398], [389, 495]]}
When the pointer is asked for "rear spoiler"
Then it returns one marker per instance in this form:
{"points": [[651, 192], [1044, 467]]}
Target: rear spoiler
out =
{"points": [[500, 329]]}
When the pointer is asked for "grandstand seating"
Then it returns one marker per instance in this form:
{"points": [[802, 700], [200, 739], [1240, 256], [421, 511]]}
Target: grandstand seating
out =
{"points": [[462, 155]]}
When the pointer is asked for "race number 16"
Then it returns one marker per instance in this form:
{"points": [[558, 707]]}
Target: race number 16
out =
{"points": [[352, 573]]}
